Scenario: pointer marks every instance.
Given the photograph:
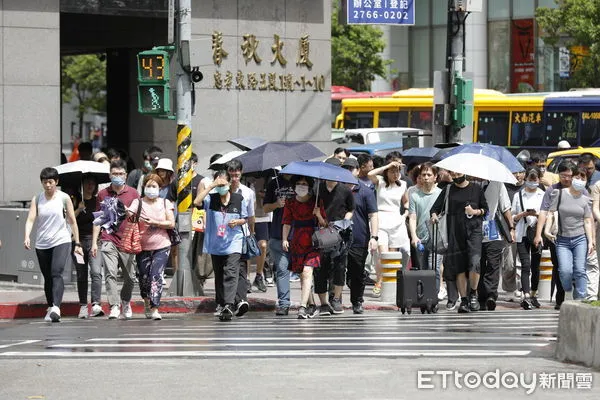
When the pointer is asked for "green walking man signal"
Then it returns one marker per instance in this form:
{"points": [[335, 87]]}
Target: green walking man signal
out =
{"points": [[154, 91], [463, 93]]}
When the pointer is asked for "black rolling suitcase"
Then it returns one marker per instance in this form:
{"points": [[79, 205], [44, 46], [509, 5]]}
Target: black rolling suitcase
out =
{"points": [[416, 288]]}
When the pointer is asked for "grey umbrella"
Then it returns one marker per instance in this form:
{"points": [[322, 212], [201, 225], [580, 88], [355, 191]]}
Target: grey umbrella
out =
{"points": [[274, 154], [247, 142]]}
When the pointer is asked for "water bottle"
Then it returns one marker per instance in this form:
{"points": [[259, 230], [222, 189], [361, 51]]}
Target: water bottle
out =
{"points": [[420, 247]]}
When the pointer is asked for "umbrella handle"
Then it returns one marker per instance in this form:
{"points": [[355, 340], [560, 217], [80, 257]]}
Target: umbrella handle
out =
{"points": [[317, 194]]}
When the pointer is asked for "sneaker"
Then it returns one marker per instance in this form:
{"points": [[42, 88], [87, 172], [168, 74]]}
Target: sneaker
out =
{"points": [[557, 307], [526, 304], [270, 282], [442, 293], [242, 308], [83, 312], [282, 311], [294, 277], [47, 317], [226, 313], [55, 314], [218, 310], [325, 309], [127, 313], [474, 302], [147, 310], [464, 306], [302, 313], [259, 283], [312, 310], [336, 305], [535, 302], [155, 315], [114, 312], [451, 305], [358, 308], [490, 304], [97, 310]]}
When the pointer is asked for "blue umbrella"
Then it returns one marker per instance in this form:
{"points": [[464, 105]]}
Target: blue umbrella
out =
{"points": [[320, 170], [274, 154], [490, 150]]}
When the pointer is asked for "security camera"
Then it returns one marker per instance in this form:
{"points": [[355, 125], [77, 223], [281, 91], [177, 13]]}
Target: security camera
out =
{"points": [[197, 76]]}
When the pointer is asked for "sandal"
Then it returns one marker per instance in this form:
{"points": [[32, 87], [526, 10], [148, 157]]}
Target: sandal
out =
{"points": [[377, 289]]}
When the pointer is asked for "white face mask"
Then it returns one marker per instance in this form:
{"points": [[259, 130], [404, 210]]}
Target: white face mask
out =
{"points": [[151, 192], [578, 184], [301, 190]]}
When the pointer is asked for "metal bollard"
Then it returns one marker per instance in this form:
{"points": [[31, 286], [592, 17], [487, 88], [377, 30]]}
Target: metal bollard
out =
{"points": [[545, 276], [391, 262]]}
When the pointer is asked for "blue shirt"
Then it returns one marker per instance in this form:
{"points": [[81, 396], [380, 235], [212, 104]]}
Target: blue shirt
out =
{"points": [[217, 219], [365, 203]]}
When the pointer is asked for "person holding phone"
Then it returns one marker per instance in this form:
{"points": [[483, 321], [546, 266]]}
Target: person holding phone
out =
{"points": [[526, 206], [156, 217]]}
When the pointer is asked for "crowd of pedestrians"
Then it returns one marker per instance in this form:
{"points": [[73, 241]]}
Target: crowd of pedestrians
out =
{"points": [[391, 209]]}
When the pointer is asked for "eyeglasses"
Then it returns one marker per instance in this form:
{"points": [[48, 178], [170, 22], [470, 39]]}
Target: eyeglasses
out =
{"points": [[563, 176]]}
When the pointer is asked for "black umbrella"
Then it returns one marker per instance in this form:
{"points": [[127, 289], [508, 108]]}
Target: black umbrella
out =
{"points": [[419, 155], [247, 142], [274, 154]]}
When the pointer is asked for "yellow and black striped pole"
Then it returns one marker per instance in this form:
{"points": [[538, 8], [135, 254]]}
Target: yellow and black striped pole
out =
{"points": [[184, 170]]}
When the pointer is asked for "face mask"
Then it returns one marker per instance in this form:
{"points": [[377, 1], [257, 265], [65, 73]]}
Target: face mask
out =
{"points": [[578, 184], [301, 190], [543, 169], [117, 180], [222, 190], [531, 185], [147, 165], [459, 179], [151, 192]]}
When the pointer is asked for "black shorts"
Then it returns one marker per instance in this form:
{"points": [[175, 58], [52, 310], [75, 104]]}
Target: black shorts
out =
{"points": [[261, 230]]}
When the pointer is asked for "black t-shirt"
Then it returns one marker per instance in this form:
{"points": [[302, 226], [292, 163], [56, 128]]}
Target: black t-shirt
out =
{"points": [[337, 202], [85, 218], [278, 187], [195, 183]]}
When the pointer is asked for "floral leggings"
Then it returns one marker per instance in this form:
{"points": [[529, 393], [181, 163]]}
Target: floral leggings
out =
{"points": [[151, 265]]}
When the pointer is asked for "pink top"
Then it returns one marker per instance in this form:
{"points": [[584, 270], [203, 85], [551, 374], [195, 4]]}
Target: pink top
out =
{"points": [[153, 238]]}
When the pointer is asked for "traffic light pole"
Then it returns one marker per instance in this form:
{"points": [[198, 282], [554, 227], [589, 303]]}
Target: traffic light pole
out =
{"points": [[183, 283]]}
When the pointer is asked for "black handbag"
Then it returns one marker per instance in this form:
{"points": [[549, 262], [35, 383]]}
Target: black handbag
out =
{"points": [[326, 238], [250, 247], [173, 233]]}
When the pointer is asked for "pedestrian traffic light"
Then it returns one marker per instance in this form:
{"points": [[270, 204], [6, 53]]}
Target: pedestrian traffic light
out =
{"points": [[154, 95], [463, 110]]}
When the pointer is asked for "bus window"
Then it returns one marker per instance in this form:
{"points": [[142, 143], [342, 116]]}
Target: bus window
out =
{"points": [[393, 119], [590, 128], [421, 120], [356, 120], [561, 126], [493, 128], [527, 129]]}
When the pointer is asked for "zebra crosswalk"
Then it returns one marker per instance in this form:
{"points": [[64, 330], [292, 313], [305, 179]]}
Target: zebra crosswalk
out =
{"points": [[516, 333]]}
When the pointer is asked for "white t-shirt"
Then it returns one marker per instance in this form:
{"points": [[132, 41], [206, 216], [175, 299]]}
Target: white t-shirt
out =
{"points": [[389, 199], [52, 229]]}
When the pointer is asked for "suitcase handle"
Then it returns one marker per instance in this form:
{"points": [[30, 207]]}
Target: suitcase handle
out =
{"points": [[420, 289]]}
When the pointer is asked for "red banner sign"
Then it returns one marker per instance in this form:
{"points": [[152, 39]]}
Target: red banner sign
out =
{"points": [[523, 56]]}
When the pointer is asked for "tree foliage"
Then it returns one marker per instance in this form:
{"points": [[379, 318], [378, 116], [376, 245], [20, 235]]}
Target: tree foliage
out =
{"points": [[84, 78], [355, 53], [575, 23]]}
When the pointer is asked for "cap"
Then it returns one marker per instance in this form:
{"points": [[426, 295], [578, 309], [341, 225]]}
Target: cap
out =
{"points": [[563, 144], [350, 162], [166, 164], [100, 157], [334, 161]]}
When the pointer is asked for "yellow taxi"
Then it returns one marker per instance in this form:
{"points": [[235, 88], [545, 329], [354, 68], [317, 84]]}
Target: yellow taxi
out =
{"points": [[555, 158]]}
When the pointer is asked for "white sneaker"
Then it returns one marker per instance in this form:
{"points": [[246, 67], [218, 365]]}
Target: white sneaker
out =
{"points": [[47, 317], [114, 312], [97, 310], [83, 312], [155, 315], [55, 314], [442, 293], [218, 310], [127, 313]]}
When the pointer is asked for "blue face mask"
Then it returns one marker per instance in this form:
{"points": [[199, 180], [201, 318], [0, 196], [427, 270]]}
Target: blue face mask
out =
{"points": [[531, 185], [117, 180], [222, 190]]}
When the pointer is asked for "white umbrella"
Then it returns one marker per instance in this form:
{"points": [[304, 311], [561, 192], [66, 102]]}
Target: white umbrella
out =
{"points": [[478, 166], [227, 157]]}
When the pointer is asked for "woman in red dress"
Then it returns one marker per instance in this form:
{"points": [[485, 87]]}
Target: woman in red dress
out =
{"points": [[300, 216]]}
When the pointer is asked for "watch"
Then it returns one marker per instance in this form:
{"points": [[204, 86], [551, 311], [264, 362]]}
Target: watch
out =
{"points": [[375, 237]]}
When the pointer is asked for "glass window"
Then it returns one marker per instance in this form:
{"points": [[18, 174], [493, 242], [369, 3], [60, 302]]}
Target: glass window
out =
{"points": [[499, 56], [498, 9], [561, 126], [420, 63], [421, 120], [590, 129], [547, 3], [492, 127], [439, 12], [393, 119], [527, 129], [439, 48], [422, 13], [522, 8], [355, 120]]}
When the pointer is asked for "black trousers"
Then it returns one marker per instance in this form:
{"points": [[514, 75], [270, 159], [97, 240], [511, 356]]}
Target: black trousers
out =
{"points": [[356, 272], [530, 265], [334, 267], [52, 264], [228, 275], [560, 292], [491, 262]]}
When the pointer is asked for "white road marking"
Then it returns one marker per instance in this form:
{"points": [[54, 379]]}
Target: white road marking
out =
{"points": [[4, 346], [372, 344], [319, 338]]}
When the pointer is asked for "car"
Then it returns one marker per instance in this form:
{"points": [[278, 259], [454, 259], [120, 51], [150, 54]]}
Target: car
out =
{"points": [[555, 158], [380, 135], [376, 149]]}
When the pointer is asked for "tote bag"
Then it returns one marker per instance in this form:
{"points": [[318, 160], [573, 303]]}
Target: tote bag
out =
{"points": [[131, 241], [438, 243]]}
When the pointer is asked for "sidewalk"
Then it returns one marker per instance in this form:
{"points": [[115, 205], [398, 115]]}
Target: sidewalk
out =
{"points": [[28, 301]]}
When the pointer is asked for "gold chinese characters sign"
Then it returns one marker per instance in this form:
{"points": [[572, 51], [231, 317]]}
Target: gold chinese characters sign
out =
{"points": [[265, 81]]}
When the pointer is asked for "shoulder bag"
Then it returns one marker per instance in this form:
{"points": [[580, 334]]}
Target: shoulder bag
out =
{"points": [[438, 236], [250, 247], [173, 233], [131, 241]]}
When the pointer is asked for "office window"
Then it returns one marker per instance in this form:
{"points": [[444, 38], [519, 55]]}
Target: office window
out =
{"points": [[522, 8], [439, 12], [498, 9], [420, 63], [422, 11]]}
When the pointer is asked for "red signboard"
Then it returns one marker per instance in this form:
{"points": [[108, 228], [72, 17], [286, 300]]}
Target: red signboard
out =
{"points": [[523, 56]]}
